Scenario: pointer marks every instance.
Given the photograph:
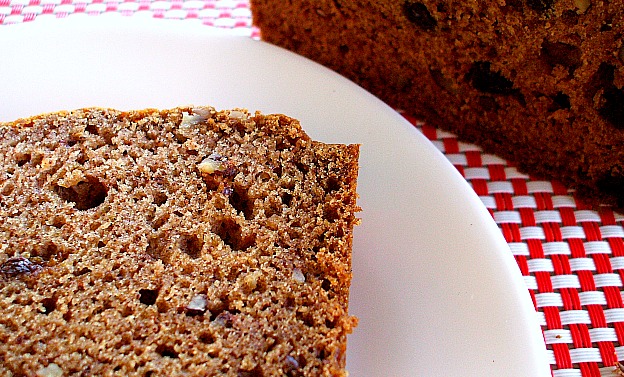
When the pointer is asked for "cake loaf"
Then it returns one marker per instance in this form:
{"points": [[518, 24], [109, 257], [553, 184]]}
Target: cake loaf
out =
{"points": [[538, 82], [181, 242]]}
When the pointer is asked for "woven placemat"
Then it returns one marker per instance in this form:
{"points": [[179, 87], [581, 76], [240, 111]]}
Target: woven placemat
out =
{"points": [[233, 15], [571, 257]]}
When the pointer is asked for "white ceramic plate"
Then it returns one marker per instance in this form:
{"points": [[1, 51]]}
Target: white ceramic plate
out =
{"points": [[435, 286]]}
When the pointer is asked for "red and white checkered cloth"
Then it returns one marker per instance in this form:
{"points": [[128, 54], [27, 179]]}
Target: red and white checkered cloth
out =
{"points": [[228, 14], [571, 257]]}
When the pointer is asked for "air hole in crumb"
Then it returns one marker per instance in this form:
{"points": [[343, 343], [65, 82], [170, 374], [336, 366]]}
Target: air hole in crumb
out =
{"points": [[330, 324], [418, 14], [166, 351], [92, 129], [612, 108], [560, 101], [107, 130], [212, 181], [108, 277], [239, 199], [306, 318], [231, 234], [484, 79], [315, 250], [215, 312], [191, 245], [607, 26], [282, 144], [148, 296], [85, 195], [442, 81], [58, 222], [47, 252], [7, 188], [82, 271], [126, 311], [286, 198], [273, 343], [333, 184], [263, 177], [181, 139], [162, 306], [36, 159], [82, 158], [272, 208], [570, 18], [50, 251], [278, 170], [49, 304], [101, 244], [157, 248], [217, 306], [323, 354], [331, 213], [602, 78], [326, 285], [95, 226], [304, 168], [107, 304], [558, 53], [206, 338], [22, 159], [540, 5], [233, 274], [159, 197], [255, 372], [160, 221]]}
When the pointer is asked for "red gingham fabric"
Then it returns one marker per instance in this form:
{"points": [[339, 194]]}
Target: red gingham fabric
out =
{"points": [[228, 14], [571, 257]]}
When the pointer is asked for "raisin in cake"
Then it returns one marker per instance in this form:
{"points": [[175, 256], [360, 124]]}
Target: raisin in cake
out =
{"points": [[539, 82], [178, 242]]}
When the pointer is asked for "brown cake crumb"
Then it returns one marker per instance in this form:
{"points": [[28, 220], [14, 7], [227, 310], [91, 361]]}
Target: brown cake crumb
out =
{"points": [[538, 82], [173, 242]]}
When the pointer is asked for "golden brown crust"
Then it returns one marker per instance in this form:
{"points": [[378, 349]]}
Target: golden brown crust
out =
{"points": [[539, 82], [123, 255]]}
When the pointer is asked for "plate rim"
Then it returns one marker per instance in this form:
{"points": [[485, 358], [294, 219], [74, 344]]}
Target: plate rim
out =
{"points": [[159, 26]]}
